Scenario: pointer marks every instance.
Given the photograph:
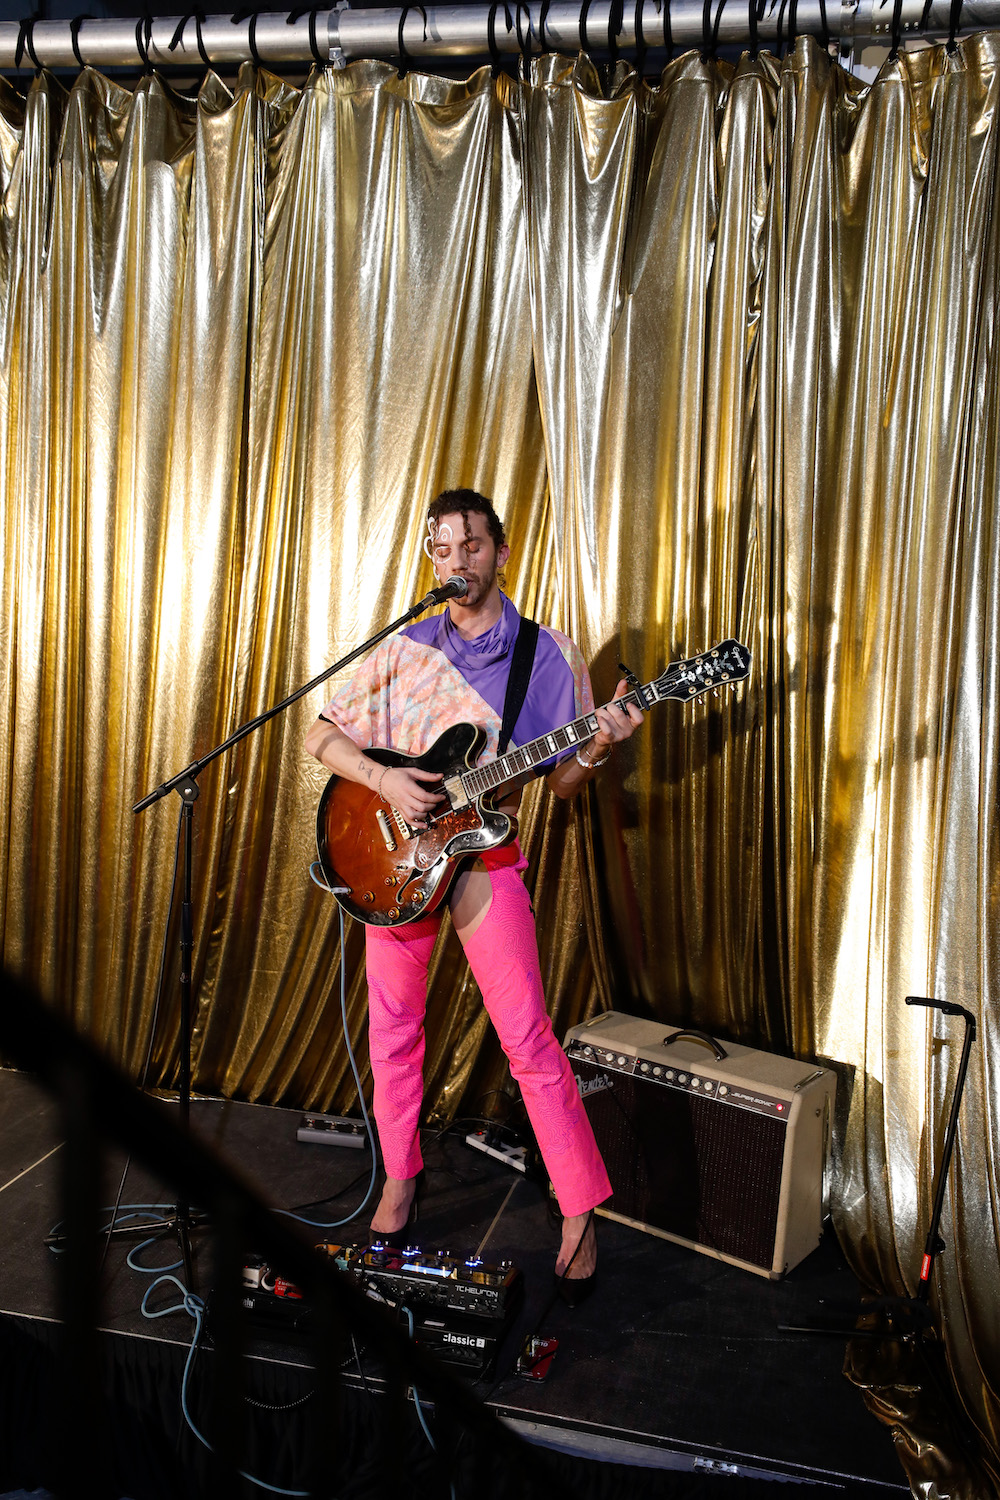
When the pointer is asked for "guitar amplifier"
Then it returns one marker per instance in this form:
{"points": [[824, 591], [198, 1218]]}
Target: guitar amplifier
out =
{"points": [[712, 1145]]}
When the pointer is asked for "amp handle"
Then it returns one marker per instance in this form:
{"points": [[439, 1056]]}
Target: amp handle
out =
{"points": [[697, 1036]]}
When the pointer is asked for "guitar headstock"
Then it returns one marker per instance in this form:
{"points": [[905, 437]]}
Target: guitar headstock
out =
{"points": [[723, 665]]}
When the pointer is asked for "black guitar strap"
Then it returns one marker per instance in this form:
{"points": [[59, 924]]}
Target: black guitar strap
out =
{"points": [[517, 683]]}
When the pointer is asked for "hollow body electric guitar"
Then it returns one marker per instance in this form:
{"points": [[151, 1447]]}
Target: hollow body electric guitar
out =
{"points": [[385, 873]]}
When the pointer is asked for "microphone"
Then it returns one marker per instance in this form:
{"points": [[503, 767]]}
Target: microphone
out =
{"points": [[454, 588]]}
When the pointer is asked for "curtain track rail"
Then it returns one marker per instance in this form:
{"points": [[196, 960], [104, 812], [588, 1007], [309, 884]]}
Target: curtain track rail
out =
{"points": [[440, 32]]}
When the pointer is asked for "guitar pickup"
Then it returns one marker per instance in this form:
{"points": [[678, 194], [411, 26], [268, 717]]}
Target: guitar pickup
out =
{"points": [[385, 830], [454, 792]]}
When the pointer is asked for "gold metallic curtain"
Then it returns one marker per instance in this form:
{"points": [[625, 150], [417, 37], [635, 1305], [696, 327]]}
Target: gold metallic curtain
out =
{"points": [[723, 350]]}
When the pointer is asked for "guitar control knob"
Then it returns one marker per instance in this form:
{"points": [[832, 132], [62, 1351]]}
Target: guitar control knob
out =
{"points": [[390, 880], [394, 912], [368, 896], [418, 896]]}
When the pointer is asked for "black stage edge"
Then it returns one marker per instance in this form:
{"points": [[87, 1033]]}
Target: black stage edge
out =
{"points": [[672, 1380]]}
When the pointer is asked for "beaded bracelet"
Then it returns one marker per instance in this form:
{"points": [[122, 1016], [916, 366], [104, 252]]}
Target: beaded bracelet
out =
{"points": [[378, 789], [592, 765]]}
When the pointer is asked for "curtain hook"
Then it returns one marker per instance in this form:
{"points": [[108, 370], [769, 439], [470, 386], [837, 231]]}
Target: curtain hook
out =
{"points": [[237, 19], [74, 37], [523, 42], [616, 25], [897, 27], [793, 6], [640, 40], [954, 21], [544, 16], [824, 23], [404, 56], [491, 34], [296, 15], [143, 40], [668, 30], [584, 39], [178, 36], [26, 40]]}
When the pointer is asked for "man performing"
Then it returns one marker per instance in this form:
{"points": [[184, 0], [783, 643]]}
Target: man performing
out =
{"points": [[452, 668]]}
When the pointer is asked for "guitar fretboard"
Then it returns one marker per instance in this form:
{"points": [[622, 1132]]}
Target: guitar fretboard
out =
{"points": [[514, 764], [726, 663]]}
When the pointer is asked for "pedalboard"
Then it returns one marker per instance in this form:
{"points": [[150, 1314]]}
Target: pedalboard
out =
{"points": [[333, 1130], [459, 1309], [433, 1279]]}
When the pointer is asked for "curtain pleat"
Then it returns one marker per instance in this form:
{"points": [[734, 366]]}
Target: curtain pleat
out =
{"points": [[723, 351]]}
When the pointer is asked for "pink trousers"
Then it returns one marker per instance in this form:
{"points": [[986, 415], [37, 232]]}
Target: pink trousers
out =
{"points": [[503, 956]]}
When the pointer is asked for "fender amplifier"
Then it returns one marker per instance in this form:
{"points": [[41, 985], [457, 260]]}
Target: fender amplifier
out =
{"points": [[710, 1144]]}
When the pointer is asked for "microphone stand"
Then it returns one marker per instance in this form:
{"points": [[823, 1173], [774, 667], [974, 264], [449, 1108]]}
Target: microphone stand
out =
{"points": [[906, 1317], [185, 783]]}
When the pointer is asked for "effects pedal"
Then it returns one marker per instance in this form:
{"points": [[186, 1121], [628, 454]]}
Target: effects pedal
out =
{"points": [[535, 1358]]}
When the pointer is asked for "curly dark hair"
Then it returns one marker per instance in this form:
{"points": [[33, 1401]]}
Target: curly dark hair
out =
{"points": [[462, 502]]}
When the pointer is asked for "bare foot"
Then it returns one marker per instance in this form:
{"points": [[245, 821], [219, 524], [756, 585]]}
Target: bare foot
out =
{"points": [[585, 1261], [393, 1211]]}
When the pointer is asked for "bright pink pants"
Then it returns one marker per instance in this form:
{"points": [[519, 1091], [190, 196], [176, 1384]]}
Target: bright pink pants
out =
{"points": [[503, 956]]}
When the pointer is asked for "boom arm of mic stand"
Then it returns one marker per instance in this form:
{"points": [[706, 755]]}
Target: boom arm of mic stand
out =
{"points": [[190, 773]]}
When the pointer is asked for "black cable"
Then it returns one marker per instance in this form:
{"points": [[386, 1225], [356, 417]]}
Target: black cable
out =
{"points": [[897, 27], [668, 30], [793, 6], [954, 20]]}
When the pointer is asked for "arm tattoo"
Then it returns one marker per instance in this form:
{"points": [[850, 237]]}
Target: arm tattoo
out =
{"points": [[365, 769]]}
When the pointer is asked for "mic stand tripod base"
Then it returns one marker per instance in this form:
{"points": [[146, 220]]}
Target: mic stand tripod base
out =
{"points": [[181, 1224], [904, 1318]]}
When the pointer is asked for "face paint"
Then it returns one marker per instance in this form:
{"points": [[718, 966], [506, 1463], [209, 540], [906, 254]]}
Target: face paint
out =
{"points": [[435, 533]]}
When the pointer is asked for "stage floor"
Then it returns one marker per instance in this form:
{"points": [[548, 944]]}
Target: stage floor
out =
{"points": [[677, 1362]]}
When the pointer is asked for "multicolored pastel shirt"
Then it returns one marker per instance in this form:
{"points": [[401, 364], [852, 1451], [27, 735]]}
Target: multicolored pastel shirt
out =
{"points": [[419, 682]]}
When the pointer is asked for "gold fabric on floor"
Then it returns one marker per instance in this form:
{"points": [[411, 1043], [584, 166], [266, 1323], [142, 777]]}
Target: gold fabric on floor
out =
{"points": [[724, 352]]}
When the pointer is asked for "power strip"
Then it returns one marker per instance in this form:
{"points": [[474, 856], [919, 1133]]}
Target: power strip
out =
{"points": [[511, 1156], [333, 1130]]}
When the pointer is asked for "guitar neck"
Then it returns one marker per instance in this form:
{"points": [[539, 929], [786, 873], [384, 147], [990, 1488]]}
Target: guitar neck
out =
{"points": [[724, 664], [522, 762]]}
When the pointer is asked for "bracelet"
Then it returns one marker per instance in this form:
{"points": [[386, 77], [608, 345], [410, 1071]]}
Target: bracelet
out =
{"points": [[592, 765], [378, 789]]}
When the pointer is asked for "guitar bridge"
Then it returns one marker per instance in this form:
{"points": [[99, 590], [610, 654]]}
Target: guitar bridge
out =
{"points": [[385, 830]]}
